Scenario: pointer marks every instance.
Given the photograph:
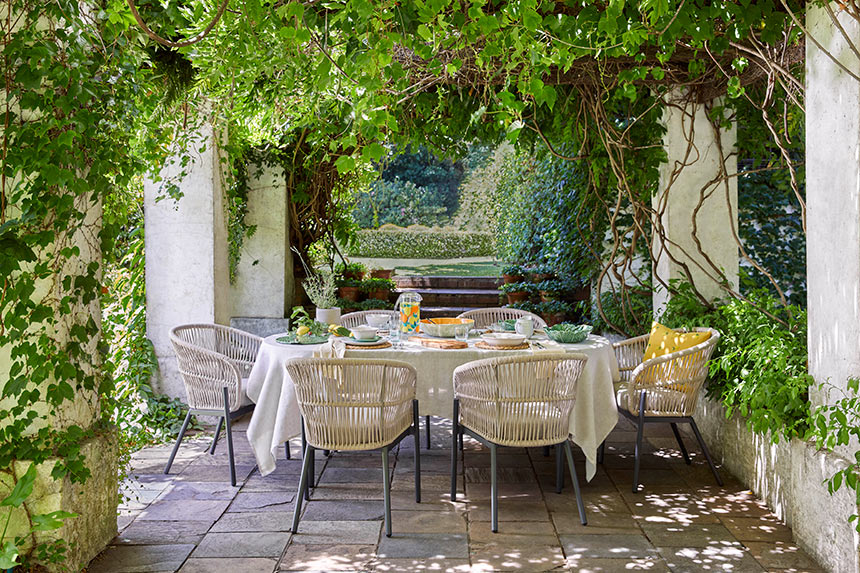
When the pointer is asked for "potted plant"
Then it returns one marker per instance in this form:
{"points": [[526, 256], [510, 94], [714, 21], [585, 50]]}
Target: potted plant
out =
{"points": [[379, 289], [377, 273], [528, 306], [349, 289], [518, 292], [541, 273], [554, 311], [321, 290], [550, 289], [513, 274], [375, 304], [354, 271], [348, 305]]}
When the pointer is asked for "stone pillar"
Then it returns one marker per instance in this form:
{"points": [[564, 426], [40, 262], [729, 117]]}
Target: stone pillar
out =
{"points": [[680, 195], [833, 255], [187, 271], [263, 284]]}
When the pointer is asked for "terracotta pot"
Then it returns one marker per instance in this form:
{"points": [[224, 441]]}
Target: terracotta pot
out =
{"points": [[547, 296], [519, 296], [582, 293], [381, 274], [381, 294], [512, 279], [553, 319], [349, 293], [355, 275]]}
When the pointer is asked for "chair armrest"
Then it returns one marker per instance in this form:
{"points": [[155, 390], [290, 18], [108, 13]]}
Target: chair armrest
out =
{"points": [[205, 374], [629, 352], [242, 347]]}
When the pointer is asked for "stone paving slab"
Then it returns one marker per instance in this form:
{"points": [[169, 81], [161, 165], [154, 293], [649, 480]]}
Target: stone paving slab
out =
{"points": [[193, 521]]}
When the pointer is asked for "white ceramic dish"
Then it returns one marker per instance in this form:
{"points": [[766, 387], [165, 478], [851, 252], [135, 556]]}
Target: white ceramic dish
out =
{"points": [[372, 342], [363, 332], [503, 339], [377, 320]]}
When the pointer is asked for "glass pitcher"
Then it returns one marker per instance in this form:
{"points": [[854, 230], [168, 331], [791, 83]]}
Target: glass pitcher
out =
{"points": [[409, 306]]}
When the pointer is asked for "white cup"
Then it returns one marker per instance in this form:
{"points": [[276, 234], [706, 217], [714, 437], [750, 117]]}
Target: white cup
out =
{"points": [[525, 326]]}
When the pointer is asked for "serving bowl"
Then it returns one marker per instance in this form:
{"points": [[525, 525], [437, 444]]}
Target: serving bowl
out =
{"points": [[363, 332], [443, 327], [503, 338], [377, 320], [568, 333]]}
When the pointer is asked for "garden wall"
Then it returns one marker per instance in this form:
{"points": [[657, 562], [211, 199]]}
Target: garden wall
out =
{"points": [[416, 242], [789, 477]]}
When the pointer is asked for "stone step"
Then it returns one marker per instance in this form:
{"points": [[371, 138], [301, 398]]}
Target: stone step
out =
{"points": [[469, 298], [447, 282]]}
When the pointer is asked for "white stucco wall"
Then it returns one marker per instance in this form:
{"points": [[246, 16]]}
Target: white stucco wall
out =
{"points": [[678, 200], [186, 257], [264, 278]]}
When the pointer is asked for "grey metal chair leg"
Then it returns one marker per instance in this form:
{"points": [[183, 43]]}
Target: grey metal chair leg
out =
{"points": [[229, 438], [455, 434], [178, 441], [215, 437], [579, 504], [680, 442], [303, 487], [494, 488], [559, 471], [460, 438], [416, 433], [312, 480], [638, 451], [546, 451], [706, 452], [601, 452], [427, 428], [386, 491], [287, 448]]}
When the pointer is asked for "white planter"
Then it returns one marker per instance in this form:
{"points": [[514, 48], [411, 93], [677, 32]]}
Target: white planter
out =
{"points": [[328, 315]]}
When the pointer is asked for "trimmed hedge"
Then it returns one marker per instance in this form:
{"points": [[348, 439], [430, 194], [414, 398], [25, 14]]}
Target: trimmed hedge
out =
{"points": [[418, 242]]}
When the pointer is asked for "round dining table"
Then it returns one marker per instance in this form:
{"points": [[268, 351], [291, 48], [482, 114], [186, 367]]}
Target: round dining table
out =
{"points": [[276, 418]]}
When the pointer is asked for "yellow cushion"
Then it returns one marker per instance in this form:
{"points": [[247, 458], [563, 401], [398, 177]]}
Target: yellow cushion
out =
{"points": [[664, 340]]}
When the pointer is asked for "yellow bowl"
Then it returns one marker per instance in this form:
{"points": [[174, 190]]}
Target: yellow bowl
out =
{"points": [[443, 327]]}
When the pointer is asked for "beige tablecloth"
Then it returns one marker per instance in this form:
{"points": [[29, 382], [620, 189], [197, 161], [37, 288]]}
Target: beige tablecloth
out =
{"points": [[276, 416]]}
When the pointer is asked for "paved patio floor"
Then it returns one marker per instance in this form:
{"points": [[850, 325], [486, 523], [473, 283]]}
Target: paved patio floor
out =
{"points": [[193, 521]]}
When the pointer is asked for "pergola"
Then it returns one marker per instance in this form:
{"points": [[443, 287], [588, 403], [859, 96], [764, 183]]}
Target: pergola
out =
{"points": [[187, 275]]}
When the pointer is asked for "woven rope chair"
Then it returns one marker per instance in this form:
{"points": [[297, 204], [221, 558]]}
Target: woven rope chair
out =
{"points": [[486, 317], [352, 405], [353, 319], [213, 361], [663, 390], [521, 401]]}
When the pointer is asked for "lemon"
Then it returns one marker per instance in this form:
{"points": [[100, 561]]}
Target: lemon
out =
{"points": [[302, 330]]}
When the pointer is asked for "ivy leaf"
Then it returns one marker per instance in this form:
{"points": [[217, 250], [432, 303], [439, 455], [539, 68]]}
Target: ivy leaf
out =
{"points": [[22, 490], [9, 556], [373, 152], [531, 19], [425, 32], [344, 164], [51, 521]]}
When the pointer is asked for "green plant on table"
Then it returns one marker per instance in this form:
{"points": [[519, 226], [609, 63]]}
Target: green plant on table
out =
{"points": [[321, 289], [304, 325]]}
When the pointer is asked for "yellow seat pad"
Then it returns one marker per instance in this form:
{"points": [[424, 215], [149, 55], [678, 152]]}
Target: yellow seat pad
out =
{"points": [[664, 340]]}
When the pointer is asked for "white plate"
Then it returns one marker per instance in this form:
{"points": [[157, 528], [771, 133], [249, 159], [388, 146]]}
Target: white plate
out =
{"points": [[355, 342], [503, 339]]}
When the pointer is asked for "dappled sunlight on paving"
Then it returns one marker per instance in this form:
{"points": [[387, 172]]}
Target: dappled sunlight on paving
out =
{"points": [[193, 521]]}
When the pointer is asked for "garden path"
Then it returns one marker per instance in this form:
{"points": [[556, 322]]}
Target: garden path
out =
{"points": [[192, 521]]}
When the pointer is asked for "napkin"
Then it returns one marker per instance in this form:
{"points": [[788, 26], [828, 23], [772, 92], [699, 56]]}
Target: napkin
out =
{"points": [[546, 347], [334, 348]]}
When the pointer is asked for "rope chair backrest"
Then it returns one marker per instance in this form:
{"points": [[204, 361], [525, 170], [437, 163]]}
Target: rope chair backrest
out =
{"points": [[205, 372], [353, 404], [521, 401], [672, 381], [353, 319], [486, 317], [237, 345]]}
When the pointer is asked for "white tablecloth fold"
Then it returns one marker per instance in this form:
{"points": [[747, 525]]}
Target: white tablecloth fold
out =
{"points": [[276, 417]]}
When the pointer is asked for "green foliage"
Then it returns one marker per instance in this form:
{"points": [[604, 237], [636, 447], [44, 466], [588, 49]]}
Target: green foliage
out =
{"points": [[836, 424], [514, 270], [376, 284], [421, 243], [524, 286], [554, 307], [759, 367], [343, 268], [629, 309]]}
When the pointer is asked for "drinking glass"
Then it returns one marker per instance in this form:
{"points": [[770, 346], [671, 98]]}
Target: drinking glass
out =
{"points": [[461, 332], [394, 334]]}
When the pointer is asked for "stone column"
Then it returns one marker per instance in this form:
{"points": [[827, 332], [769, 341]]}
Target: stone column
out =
{"points": [[187, 272], [681, 203], [263, 284], [833, 263]]}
